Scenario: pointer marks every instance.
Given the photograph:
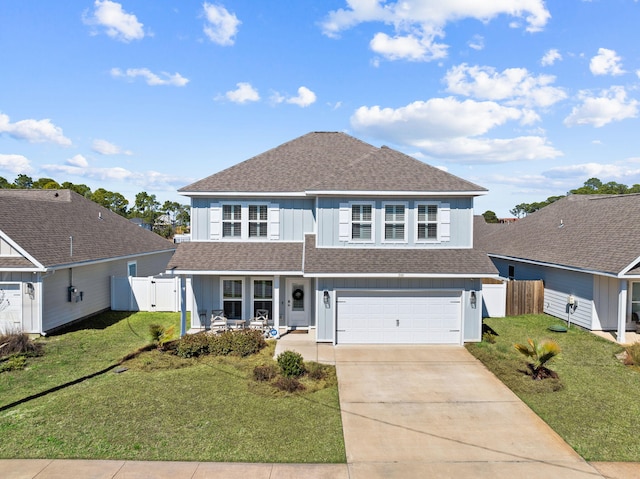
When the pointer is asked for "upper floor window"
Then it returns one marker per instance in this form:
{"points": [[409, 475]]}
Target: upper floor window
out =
{"points": [[428, 222], [244, 220], [361, 222], [231, 221], [394, 222], [258, 223]]}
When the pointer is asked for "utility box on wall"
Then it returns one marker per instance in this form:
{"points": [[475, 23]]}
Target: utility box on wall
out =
{"points": [[74, 295]]}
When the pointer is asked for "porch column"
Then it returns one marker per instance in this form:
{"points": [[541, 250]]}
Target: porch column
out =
{"points": [[276, 302], [183, 305], [622, 310]]}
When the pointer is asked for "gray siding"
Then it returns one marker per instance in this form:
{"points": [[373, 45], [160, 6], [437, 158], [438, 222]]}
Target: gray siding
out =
{"points": [[94, 281], [296, 216], [461, 223], [471, 317], [30, 302], [605, 295], [558, 285]]}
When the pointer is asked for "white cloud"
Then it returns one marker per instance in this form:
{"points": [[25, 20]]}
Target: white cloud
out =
{"points": [[515, 85], [34, 131], [418, 23], [151, 78], [606, 62], [222, 26], [106, 148], [611, 105], [79, 161], [550, 57], [594, 170], [477, 42], [117, 23], [305, 97], [452, 129], [15, 164], [243, 94]]}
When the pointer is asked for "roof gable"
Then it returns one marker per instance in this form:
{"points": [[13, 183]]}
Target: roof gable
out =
{"points": [[587, 232], [60, 227], [330, 161]]}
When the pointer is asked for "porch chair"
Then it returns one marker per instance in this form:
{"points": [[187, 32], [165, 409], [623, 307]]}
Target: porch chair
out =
{"points": [[218, 321], [260, 321]]}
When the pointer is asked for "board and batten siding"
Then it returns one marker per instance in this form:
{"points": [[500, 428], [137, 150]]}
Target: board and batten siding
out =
{"points": [[460, 221], [94, 281], [7, 250], [471, 317], [30, 300], [296, 216]]}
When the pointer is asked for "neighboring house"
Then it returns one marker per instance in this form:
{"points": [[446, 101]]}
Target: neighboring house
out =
{"points": [[58, 251], [364, 244], [586, 249]]}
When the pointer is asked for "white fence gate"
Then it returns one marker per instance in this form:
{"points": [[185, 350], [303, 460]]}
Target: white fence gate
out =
{"points": [[494, 300], [145, 294]]}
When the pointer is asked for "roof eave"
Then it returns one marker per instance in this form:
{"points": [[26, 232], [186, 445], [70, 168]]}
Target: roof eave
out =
{"points": [[394, 193], [554, 265]]}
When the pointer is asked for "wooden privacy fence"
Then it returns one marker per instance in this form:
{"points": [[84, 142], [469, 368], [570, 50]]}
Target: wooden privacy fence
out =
{"points": [[525, 297]]}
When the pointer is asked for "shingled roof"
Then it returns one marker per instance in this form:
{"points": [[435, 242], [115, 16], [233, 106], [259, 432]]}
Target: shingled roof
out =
{"points": [[60, 227], [331, 161], [585, 232]]}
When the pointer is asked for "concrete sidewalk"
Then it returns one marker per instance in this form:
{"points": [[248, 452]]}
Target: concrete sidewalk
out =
{"points": [[407, 412]]}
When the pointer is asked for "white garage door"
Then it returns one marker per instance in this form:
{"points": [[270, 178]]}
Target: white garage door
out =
{"points": [[415, 317]]}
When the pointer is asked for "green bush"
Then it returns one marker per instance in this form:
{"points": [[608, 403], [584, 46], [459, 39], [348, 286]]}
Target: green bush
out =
{"points": [[291, 364], [192, 345], [265, 372], [17, 361], [238, 343], [160, 334], [289, 384]]}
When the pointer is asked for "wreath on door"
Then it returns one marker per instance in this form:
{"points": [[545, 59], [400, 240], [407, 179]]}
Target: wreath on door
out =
{"points": [[298, 294]]}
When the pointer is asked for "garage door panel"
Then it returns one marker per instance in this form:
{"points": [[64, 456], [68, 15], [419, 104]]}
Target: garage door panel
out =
{"points": [[399, 317]]}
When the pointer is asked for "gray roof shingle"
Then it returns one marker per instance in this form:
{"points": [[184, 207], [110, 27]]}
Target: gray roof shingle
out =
{"points": [[418, 261], [588, 232], [237, 256], [331, 161], [42, 222]]}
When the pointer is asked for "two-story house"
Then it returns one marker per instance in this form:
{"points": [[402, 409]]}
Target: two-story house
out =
{"points": [[362, 244]]}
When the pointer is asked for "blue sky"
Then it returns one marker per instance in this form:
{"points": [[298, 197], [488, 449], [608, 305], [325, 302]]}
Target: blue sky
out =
{"points": [[524, 97]]}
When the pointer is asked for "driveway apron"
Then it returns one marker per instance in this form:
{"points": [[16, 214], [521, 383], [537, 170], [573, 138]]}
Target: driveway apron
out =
{"points": [[437, 412]]}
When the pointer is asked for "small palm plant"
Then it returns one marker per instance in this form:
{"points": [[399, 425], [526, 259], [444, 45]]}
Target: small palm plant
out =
{"points": [[540, 352], [160, 334]]}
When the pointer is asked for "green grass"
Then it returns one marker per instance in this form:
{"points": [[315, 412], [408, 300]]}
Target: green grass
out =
{"points": [[594, 405], [162, 407]]}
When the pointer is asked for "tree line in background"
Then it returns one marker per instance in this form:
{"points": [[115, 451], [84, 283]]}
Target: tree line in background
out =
{"points": [[165, 219], [593, 186]]}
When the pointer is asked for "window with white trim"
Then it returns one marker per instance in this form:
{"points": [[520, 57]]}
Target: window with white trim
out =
{"points": [[232, 298], [258, 221], [361, 222], [263, 295], [394, 222], [427, 222], [132, 268], [635, 302], [231, 221]]}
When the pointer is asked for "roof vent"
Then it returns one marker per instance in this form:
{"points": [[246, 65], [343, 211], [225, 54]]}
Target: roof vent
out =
{"points": [[561, 224]]}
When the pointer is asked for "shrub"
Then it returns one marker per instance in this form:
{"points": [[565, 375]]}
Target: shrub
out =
{"points": [[17, 361], [192, 345], [265, 372], [291, 364], [18, 343], [540, 352], [238, 343], [289, 384], [160, 334], [633, 354]]}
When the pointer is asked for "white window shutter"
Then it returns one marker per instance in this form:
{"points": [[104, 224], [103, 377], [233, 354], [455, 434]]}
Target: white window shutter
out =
{"points": [[445, 222], [215, 227], [274, 221], [344, 219]]}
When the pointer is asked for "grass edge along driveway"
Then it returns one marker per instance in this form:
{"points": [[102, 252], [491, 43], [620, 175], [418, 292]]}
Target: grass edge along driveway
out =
{"points": [[162, 407], [594, 406]]}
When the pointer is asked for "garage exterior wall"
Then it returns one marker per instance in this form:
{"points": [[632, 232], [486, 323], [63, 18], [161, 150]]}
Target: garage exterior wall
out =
{"points": [[325, 312]]}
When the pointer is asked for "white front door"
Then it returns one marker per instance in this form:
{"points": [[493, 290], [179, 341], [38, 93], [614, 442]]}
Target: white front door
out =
{"points": [[298, 303]]}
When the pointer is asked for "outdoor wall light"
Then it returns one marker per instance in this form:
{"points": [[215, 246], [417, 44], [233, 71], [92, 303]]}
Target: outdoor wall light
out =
{"points": [[326, 298], [472, 299]]}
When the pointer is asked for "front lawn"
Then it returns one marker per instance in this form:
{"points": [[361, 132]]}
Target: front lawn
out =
{"points": [[162, 407], [594, 406]]}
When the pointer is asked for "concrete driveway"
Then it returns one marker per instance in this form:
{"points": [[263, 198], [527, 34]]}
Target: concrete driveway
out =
{"points": [[437, 412]]}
